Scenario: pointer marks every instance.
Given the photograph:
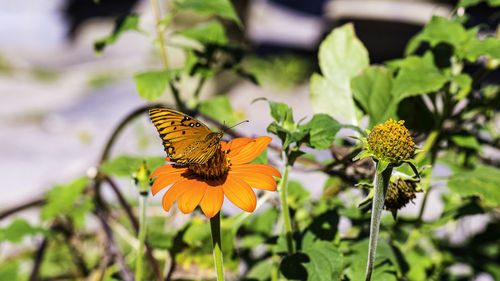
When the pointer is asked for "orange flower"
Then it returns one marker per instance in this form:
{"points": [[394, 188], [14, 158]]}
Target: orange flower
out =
{"points": [[224, 174]]}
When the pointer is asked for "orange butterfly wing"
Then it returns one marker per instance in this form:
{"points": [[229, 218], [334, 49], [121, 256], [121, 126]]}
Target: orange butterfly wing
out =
{"points": [[186, 140]]}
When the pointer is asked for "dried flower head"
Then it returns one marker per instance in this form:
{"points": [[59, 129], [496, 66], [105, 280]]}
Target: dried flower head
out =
{"points": [[400, 192]]}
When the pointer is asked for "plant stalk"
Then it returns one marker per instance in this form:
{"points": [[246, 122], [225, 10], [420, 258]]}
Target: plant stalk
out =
{"points": [[159, 30], [381, 184], [216, 244], [275, 268], [283, 186], [142, 234], [163, 51], [429, 145]]}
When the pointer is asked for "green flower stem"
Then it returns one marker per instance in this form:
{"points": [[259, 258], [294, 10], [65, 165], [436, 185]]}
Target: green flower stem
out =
{"points": [[163, 51], [381, 185], [160, 31], [275, 268], [216, 243], [283, 186], [197, 91], [142, 234], [429, 144]]}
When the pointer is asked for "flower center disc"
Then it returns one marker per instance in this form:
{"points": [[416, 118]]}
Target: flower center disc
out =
{"points": [[215, 168]]}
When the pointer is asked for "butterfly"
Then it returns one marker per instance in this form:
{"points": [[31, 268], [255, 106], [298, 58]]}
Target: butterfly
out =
{"points": [[186, 140]]}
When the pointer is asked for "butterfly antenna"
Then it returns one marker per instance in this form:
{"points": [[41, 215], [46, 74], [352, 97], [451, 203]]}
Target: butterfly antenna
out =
{"points": [[237, 124]]}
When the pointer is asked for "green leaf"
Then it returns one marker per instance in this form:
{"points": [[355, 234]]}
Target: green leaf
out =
{"points": [[282, 113], [483, 181], [159, 236], [18, 229], [324, 225], [197, 234], [417, 76], [468, 3], [261, 271], [385, 262], [467, 142], [441, 30], [326, 261], [296, 153], [456, 207], [198, 238], [372, 90], [462, 84], [362, 154], [490, 46], [151, 84], [211, 33], [493, 269], [283, 134], [278, 72], [67, 200], [382, 166], [220, 109], [122, 24], [252, 241], [9, 271], [319, 261], [190, 61], [322, 130], [222, 8], [263, 222], [381, 271], [341, 57], [334, 99], [286, 136], [127, 166], [297, 194], [424, 261]]}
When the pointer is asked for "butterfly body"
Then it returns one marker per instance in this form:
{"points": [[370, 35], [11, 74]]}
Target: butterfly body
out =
{"points": [[185, 139]]}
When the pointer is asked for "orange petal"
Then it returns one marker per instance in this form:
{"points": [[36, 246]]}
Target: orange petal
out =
{"points": [[235, 145], [212, 201], [250, 151], [255, 168], [256, 180], [192, 197], [173, 193], [165, 180], [223, 145], [240, 193], [166, 169]]}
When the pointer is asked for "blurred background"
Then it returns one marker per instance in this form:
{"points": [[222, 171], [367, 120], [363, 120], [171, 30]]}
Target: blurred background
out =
{"points": [[60, 101]]}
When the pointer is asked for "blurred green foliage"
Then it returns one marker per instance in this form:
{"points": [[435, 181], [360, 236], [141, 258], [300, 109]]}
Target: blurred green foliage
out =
{"points": [[279, 72]]}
